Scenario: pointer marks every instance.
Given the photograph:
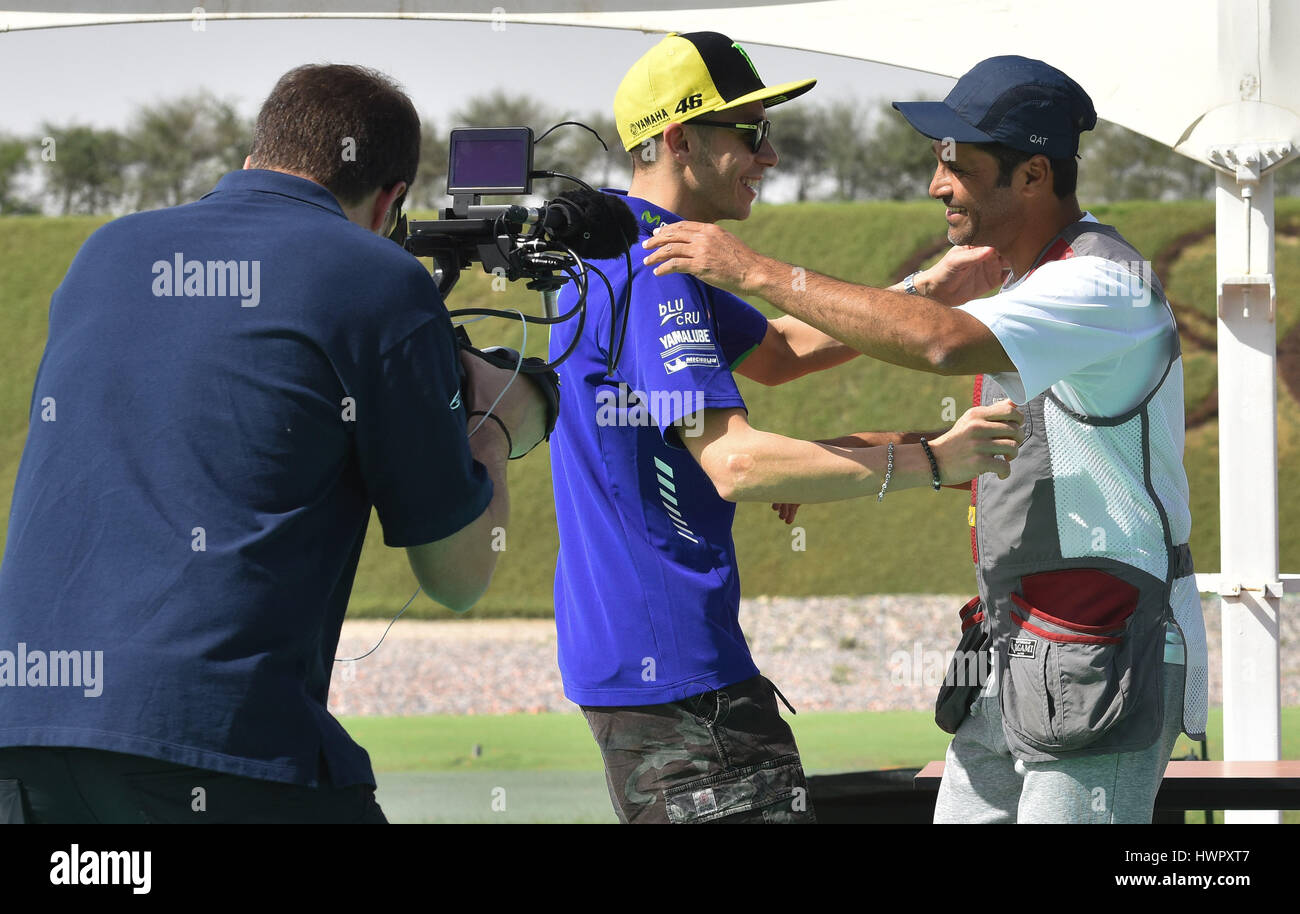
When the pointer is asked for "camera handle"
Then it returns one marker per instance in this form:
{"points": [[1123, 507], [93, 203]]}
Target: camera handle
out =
{"points": [[535, 369]]}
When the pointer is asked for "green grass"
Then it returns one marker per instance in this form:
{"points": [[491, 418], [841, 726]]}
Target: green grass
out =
{"points": [[495, 798], [445, 742], [915, 542], [829, 741], [546, 767]]}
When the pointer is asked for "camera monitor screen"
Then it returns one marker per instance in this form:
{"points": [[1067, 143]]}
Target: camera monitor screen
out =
{"points": [[490, 160]]}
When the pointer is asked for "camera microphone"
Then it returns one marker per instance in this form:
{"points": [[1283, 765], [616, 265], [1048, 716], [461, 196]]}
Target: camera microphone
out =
{"points": [[595, 225]]}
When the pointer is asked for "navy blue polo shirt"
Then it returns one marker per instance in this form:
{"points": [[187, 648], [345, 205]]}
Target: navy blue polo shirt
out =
{"points": [[227, 388], [647, 593]]}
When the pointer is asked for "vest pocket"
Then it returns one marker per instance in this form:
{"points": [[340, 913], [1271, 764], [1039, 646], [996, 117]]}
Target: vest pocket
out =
{"points": [[1066, 678], [968, 671]]}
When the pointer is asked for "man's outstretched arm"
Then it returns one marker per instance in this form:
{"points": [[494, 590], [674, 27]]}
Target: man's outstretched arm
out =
{"points": [[909, 330], [747, 464], [791, 349]]}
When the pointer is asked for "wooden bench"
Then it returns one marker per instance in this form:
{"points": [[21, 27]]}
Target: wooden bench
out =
{"points": [[1195, 785]]}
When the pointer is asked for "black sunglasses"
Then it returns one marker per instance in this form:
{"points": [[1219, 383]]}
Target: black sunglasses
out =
{"points": [[759, 131]]}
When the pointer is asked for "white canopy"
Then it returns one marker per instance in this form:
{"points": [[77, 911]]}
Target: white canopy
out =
{"points": [[1189, 73]]}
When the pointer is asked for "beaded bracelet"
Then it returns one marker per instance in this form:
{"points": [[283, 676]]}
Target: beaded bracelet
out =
{"points": [[889, 470], [934, 466]]}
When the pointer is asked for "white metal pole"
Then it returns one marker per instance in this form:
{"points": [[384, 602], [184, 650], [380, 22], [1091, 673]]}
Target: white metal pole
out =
{"points": [[1248, 519]]}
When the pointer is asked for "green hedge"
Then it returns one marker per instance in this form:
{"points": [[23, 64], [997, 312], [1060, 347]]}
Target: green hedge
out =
{"points": [[914, 542]]}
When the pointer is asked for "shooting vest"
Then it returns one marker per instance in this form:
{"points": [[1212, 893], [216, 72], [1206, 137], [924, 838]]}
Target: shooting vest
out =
{"points": [[1082, 559]]}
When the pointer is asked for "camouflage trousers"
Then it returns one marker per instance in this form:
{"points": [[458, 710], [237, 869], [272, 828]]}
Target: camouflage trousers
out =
{"points": [[724, 756]]}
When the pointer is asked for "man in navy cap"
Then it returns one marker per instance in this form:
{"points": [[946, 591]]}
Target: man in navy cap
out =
{"points": [[1081, 553]]}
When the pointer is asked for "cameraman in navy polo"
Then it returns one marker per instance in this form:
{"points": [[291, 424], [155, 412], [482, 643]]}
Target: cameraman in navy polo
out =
{"points": [[227, 390]]}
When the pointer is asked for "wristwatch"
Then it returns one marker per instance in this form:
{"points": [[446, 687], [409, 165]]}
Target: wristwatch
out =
{"points": [[909, 283]]}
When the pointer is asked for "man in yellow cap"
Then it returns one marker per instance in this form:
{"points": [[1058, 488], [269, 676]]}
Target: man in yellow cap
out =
{"points": [[684, 80], [653, 447]]}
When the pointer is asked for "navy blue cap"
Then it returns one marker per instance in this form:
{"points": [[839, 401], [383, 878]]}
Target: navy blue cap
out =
{"points": [[1018, 102]]}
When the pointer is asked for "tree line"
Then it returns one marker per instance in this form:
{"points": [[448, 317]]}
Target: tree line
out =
{"points": [[174, 151]]}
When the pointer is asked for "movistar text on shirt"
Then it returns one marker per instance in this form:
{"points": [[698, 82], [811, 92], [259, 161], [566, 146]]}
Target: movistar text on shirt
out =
{"points": [[181, 278]]}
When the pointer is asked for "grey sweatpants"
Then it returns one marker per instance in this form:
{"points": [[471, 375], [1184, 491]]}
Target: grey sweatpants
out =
{"points": [[983, 783]]}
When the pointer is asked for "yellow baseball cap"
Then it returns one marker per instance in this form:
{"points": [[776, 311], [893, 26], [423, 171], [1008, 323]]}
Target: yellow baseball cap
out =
{"points": [[687, 75]]}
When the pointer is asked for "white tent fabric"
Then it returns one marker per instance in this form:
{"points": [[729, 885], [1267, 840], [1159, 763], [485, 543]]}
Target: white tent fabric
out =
{"points": [[1189, 73], [1217, 80]]}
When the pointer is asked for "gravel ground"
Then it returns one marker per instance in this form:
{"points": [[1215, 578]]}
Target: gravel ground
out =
{"points": [[824, 653]]}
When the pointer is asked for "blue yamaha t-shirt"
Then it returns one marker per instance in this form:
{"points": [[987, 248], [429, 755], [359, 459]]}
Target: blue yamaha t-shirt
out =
{"points": [[227, 389], [647, 593]]}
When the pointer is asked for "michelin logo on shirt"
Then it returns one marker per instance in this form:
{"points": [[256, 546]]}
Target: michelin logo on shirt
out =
{"points": [[690, 361]]}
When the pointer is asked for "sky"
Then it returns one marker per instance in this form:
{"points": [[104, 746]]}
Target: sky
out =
{"points": [[99, 75]]}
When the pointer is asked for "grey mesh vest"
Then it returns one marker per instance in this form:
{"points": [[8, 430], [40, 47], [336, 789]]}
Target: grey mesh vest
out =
{"points": [[1081, 556]]}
